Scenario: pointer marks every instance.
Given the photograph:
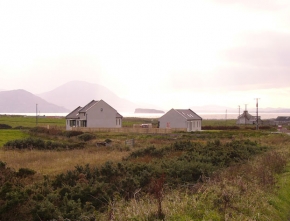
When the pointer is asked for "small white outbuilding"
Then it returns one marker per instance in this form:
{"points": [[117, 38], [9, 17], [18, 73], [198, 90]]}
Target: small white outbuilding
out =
{"points": [[181, 119]]}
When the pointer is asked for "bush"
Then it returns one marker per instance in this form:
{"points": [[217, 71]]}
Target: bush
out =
{"points": [[5, 126], [39, 130], [44, 130], [39, 144], [220, 127], [21, 128], [72, 133], [86, 137], [108, 141], [25, 172], [27, 143]]}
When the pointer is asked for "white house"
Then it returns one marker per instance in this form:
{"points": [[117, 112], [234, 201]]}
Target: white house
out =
{"points": [[181, 118], [246, 118], [96, 114], [282, 120]]}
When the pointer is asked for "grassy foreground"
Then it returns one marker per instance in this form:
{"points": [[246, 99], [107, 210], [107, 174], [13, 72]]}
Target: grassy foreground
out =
{"points": [[256, 188]]}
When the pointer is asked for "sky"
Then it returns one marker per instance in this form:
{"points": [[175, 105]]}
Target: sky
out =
{"points": [[168, 53]]}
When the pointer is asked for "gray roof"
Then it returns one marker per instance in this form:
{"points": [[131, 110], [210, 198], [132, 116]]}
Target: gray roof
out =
{"points": [[88, 106], [283, 118], [248, 116], [74, 114], [119, 115], [188, 114]]}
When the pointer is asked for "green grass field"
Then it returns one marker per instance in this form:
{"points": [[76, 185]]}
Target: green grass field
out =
{"points": [[6, 135], [28, 121]]}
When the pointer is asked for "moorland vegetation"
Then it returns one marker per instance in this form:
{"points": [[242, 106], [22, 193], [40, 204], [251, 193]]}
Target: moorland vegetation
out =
{"points": [[222, 173]]}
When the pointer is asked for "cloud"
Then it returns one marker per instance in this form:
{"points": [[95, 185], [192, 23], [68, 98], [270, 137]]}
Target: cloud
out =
{"points": [[267, 49], [268, 5], [261, 62]]}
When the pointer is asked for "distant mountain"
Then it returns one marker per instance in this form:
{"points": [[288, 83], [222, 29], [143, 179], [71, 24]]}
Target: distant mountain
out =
{"points": [[145, 110], [21, 101], [270, 110], [79, 93], [224, 109], [213, 109]]}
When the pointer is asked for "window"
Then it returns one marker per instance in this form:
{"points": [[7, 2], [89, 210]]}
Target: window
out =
{"points": [[72, 123]]}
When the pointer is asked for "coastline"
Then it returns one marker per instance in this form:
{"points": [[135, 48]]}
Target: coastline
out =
{"points": [[205, 116]]}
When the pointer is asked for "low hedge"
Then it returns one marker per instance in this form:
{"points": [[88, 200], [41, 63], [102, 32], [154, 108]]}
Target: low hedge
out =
{"points": [[39, 144], [5, 126]]}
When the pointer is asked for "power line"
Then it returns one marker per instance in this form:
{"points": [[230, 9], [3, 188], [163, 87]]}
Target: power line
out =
{"points": [[257, 112], [245, 112], [36, 120]]}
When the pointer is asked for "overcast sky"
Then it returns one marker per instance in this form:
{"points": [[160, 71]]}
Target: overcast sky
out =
{"points": [[171, 53]]}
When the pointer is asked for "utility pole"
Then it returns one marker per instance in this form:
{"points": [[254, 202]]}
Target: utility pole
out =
{"points": [[226, 116], [245, 113], [239, 119], [36, 116], [257, 112]]}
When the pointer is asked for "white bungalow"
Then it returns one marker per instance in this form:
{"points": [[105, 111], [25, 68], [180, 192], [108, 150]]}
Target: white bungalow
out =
{"points": [[181, 118], [96, 114], [246, 118]]}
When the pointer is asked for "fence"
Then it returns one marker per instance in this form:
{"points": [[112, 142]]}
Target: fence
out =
{"points": [[131, 130]]}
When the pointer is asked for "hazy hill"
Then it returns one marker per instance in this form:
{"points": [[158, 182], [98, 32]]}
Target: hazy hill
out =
{"points": [[21, 101], [79, 93], [223, 109], [146, 110]]}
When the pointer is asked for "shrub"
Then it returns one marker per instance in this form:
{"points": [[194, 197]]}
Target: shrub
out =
{"points": [[27, 143], [21, 128], [108, 141], [44, 130], [25, 172], [2, 165], [39, 130], [5, 126], [220, 127], [86, 137], [72, 133], [37, 143]]}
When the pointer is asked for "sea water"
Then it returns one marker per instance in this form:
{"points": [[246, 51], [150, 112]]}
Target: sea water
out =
{"points": [[218, 116]]}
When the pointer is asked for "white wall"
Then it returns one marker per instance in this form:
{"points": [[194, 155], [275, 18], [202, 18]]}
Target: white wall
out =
{"points": [[173, 119], [102, 115], [194, 125]]}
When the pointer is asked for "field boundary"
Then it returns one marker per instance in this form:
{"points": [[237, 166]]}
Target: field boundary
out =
{"points": [[130, 130]]}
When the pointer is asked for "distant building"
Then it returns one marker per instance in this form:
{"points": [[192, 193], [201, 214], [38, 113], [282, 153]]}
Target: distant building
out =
{"points": [[181, 118], [246, 118], [282, 120], [96, 114]]}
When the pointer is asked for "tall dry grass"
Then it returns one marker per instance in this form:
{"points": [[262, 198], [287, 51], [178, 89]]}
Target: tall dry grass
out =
{"points": [[54, 162], [242, 192]]}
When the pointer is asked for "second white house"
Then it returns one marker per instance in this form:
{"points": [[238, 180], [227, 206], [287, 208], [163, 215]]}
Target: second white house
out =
{"points": [[181, 118]]}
